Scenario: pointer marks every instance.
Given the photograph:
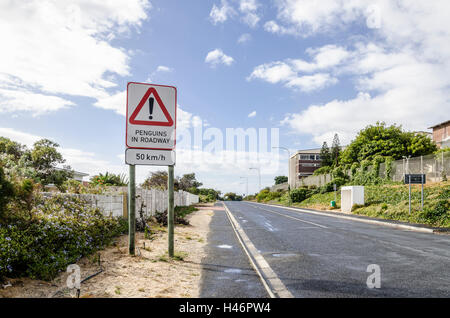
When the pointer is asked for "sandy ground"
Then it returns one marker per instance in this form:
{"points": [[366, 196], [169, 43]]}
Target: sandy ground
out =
{"points": [[151, 273]]}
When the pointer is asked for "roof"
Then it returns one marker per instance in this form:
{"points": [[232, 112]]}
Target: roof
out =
{"points": [[443, 123], [75, 172], [315, 151], [307, 151]]}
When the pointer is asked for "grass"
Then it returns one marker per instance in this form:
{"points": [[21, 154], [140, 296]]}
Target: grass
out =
{"points": [[178, 256], [391, 202], [183, 211]]}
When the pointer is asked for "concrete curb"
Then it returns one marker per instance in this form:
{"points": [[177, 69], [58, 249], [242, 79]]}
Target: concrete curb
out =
{"points": [[363, 220], [274, 286]]}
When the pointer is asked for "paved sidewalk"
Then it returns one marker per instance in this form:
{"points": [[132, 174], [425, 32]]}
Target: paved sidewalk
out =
{"points": [[227, 271]]}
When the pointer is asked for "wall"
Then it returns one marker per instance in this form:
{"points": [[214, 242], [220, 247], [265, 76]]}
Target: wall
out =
{"points": [[281, 186], [147, 201]]}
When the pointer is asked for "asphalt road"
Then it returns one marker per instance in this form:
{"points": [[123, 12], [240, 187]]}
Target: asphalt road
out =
{"points": [[322, 256]]}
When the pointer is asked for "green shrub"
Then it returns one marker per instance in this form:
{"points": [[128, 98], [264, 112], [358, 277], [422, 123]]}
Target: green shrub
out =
{"points": [[300, 194], [439, 211], [63, 230], [266, 195], [322, 170]]}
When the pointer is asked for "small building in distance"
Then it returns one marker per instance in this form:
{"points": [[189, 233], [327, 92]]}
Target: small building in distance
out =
{"points": [[303, 164], [441, 134]]}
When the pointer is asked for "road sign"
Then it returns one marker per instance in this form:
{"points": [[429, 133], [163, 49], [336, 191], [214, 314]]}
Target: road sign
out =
{"points": [[151, 116], [149, 157], [415, 178]]}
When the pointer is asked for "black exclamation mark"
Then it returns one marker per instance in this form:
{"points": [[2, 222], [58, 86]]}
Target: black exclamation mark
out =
{"points": [[150, 102]]}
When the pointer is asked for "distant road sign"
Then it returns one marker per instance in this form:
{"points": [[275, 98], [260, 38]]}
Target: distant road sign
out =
{"points": [[415, 178], [149, 157], [151, 116]]}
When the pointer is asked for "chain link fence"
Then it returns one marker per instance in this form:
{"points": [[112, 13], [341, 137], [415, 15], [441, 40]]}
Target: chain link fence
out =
{"points": [[436, 167]]}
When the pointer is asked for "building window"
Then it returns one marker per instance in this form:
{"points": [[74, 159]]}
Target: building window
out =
{"points": [[309, 165]]}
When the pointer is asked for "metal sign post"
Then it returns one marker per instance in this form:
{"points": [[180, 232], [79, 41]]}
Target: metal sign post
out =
{"points": [[421, 195], [170, 212], [150, 140], [409, 196], [131, 209], [415, 179]]}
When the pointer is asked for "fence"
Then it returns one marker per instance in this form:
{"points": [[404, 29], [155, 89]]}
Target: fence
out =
{"points": [[435, 167], [147, 201]]}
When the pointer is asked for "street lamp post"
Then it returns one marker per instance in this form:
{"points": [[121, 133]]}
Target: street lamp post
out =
{"points": [[289, 172], [259, 175]]}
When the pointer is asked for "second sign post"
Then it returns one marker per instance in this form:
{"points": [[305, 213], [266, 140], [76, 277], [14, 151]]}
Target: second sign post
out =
{"points": [[150, 140]]}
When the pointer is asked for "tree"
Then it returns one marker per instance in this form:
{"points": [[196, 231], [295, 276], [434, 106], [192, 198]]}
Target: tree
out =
{"points": [[281, 179], [188, 181], [6, 193], [335, 150], [386, 141], [44, 158], [420, 145], [231, 196], [325, 156], [9, 147], [157, 179]]}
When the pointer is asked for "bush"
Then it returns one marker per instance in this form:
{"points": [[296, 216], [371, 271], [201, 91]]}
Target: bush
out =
{"points": [[265, 195], [62, 231], [300, 194], [438, 212], [6, 193], [322, 170], [339, 181], [180, 213]]}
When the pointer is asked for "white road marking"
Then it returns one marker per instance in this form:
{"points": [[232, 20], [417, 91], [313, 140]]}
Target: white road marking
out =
{"points": [[394, 225], [225, 246], [293, 217]]}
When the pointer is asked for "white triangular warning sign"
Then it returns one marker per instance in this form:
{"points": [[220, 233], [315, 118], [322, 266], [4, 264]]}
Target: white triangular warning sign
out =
{"points": [[151, 111]]}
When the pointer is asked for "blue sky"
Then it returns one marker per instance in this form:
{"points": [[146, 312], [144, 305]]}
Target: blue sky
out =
{"points": [[310, 71]]}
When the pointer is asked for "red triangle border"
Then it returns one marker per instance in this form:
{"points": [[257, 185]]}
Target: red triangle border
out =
{"points": [[133, 116]]}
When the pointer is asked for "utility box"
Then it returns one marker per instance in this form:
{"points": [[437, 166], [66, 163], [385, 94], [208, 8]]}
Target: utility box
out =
{"points": [[351, 195]]}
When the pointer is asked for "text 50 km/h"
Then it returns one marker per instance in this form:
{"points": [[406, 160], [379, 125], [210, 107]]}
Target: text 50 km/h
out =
{"points": [[150, 157]]}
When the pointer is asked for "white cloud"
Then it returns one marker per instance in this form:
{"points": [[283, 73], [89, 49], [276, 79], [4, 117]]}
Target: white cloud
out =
{"points": [[306, 17], [273, 72], [25, 100], [164, 69], [244, 38], [116, 102], [273, 27], [399, 66], [249, 9], [286, 73], [21, 137], [218, 57], [56, 48], [221, 14], [252, 114], [311, 83], [324, 57]]}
